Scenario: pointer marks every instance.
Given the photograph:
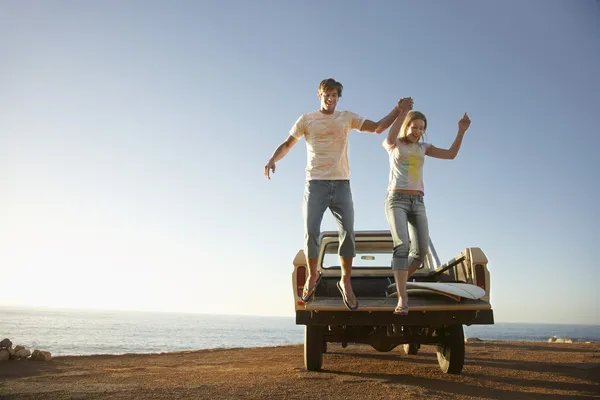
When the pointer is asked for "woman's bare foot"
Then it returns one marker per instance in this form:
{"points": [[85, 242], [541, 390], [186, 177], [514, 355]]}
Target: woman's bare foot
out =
{"points": [[402, 307], [401, 310]]}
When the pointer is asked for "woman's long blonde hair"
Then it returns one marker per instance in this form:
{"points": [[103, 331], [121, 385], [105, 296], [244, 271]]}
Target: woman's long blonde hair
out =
{"points": [[410, 117]]}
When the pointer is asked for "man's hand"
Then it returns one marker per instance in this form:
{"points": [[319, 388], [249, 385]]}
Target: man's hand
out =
{"points": [[405, 104], [270, 166], [464, 123]]}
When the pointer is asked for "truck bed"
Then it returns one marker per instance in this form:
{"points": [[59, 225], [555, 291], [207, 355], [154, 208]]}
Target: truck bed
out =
{"points": [[420, 303]]}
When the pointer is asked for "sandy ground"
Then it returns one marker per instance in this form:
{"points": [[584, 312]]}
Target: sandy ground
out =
{"points": [[493, 370]]}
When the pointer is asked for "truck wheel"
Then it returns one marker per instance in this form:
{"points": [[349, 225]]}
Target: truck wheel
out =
{"points": [[313, 347], [411, 348], [451, 352]]}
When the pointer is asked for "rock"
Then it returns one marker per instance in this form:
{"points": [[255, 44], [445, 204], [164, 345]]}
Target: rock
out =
{"points": [[11, 351], [473, 340], [564, 340], [38, 355], [5, 343], [19, 347], [22, 353], [4, 355], [560, 340]]}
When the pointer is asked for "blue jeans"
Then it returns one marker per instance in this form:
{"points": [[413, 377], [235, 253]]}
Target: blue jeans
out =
{"points": [[337, 196], [407, 218]]}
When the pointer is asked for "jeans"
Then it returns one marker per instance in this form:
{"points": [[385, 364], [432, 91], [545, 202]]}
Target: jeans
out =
{"points": [[337, 196], [407, 218]]}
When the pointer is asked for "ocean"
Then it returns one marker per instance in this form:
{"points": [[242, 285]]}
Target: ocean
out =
{"points": [[79, 332]]}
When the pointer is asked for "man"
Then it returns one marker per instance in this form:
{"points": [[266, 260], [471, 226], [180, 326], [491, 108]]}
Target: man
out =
{"points": [[328, 179]]}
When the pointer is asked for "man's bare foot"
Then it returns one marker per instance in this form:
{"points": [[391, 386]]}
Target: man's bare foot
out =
{"points": [[348, 296], [310, 286]]}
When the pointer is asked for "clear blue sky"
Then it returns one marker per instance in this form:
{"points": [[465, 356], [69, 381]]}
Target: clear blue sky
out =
{"points": [[133, 136]]}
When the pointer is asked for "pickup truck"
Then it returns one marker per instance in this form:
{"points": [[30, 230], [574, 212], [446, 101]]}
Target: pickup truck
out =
{"points": [[436, 313]]}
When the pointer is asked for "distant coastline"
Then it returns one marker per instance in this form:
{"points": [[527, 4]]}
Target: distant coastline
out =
{"points": [[75, 332]]}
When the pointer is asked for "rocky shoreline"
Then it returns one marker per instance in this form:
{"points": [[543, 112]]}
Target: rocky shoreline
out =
{"points": [[19, 352]]}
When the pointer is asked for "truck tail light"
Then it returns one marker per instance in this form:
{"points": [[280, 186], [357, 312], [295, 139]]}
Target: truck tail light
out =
{"points": [[480, 276], [300, 279]]}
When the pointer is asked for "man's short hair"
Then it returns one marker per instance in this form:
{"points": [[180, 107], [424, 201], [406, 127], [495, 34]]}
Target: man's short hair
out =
{"points": [[330, 84]]}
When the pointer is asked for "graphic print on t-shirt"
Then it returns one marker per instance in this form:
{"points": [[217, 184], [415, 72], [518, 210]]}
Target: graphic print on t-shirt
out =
{"points": [[406, 165], [414, 161]]}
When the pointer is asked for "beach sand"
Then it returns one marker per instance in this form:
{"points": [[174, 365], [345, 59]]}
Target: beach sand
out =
{"points": [[493, 370]]}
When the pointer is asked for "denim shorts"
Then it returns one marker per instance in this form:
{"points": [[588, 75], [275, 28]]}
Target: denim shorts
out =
{"points": [[337, 196]]}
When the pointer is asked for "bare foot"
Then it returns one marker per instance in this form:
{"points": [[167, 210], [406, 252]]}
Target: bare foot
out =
{"points": [[348, 295], [310, 286], [402, 307]]}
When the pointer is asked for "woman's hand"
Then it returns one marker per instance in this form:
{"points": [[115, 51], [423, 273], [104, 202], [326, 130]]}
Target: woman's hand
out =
{"points": [[464, 123], [405, 104]]}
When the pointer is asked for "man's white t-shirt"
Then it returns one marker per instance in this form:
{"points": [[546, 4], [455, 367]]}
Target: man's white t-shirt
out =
{"points": [[326, 138]]}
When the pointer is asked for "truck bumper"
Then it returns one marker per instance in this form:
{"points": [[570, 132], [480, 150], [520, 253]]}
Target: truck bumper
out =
{"points": [[417, 318]]}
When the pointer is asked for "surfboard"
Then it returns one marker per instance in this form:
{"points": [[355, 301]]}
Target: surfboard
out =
{"points": [[426, 293], [453, 289], [465, 290]]}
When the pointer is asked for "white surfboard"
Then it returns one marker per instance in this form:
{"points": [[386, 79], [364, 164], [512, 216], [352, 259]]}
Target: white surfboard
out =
{"points": [[465, 290], [419, 292], [427, 292]]}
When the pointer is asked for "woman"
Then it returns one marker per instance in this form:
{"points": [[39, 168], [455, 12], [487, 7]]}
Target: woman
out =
{"points": [[405, 209]]}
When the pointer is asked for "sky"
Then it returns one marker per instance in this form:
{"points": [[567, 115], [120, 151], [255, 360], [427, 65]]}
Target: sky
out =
{"points": [[133, 136]]}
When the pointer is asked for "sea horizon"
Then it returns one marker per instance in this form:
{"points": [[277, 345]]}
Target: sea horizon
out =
{"points": [[110, 310]]}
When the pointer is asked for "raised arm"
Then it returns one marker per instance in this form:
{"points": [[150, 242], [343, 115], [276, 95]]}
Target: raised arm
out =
{"points": [[279, 153], [450, 154], [381, 125], [405, 104]]}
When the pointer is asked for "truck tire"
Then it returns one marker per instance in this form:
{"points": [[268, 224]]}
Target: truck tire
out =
{"points": [[451, 352], [313, 347], [411, 348]]}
